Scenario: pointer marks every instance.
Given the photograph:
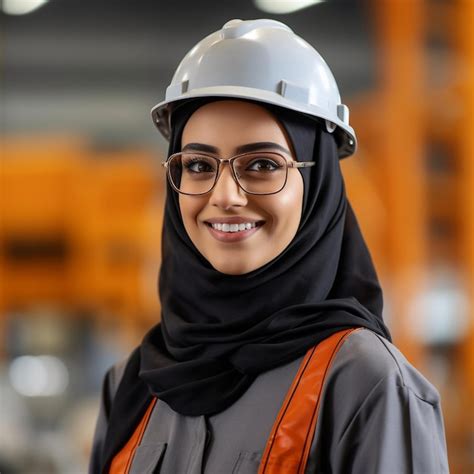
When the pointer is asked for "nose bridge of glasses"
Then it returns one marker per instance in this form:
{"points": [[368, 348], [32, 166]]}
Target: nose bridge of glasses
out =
{"points": [[222, 170]]}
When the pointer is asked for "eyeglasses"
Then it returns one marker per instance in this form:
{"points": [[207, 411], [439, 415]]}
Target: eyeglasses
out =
{"points": [[262, 172]]}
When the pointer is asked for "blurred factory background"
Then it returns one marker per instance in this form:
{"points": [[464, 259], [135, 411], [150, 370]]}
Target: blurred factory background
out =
{"points": [[81, 193]]}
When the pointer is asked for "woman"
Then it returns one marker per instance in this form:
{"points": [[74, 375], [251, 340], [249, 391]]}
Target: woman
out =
{"points": [[271, 354]]}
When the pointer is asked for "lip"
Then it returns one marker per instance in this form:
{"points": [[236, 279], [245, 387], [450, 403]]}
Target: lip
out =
{"points": [[233, 236], [232, 220]]}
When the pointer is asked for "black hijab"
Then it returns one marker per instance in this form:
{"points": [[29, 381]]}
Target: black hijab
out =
{"points": [[219, 331]]}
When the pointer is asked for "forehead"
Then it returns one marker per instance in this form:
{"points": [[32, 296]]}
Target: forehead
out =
{"points": [[227, 124]]}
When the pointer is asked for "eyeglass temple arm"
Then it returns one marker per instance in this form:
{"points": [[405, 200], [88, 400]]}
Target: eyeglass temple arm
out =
{"points": [[301, 164]]}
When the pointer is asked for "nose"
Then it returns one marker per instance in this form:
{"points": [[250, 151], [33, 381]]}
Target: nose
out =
{"points": [[227, 193]]}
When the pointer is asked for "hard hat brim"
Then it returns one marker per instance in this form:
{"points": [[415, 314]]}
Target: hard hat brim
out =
{"points": [[344, 134]]}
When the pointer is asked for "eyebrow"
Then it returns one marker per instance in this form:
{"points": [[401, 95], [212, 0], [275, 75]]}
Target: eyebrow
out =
{"points": [[238, 150]]}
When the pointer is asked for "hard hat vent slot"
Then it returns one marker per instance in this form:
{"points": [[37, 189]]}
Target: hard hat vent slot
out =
{"points": [[343, 113], [292, 91]]}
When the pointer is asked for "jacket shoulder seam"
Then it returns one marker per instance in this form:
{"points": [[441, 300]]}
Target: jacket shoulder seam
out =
{"points": [[387, 349]]}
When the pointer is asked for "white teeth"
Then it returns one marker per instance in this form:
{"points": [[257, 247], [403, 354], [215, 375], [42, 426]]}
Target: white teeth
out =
{"points": [[234, 227]]}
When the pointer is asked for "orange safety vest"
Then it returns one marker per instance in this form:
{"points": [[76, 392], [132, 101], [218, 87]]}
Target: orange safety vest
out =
{"points": [[287, 448]]}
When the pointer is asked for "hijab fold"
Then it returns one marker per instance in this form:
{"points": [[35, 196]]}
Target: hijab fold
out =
{"points": [[218, 332]]}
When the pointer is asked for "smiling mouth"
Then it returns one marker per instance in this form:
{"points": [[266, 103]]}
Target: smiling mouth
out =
{"points": [[234, 228]]}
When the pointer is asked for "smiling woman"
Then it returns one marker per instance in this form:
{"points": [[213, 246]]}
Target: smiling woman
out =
{"points": [[272, 355], [269, 221]]}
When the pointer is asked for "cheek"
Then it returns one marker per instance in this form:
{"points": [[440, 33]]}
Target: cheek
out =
{"points": [[190, 206], [288, 203]]}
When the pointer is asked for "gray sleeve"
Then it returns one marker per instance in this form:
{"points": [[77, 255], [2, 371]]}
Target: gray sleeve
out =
{"points": [[109, 386], [393, 431]]}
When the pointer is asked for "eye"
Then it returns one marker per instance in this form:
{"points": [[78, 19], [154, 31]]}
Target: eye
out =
{"points": [[198, 165], [263, 164]]}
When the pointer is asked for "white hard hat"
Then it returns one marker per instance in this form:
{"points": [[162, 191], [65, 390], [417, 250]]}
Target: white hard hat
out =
{"points": [[261, 60]]}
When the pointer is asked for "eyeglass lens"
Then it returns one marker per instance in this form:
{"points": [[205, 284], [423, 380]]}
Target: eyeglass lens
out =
{"points": [[259, 173]]}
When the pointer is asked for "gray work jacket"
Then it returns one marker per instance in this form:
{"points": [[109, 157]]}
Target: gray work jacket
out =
{"points": [[378, 414]]}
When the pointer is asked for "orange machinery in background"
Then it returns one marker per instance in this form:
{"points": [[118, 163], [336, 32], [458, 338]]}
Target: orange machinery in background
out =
{"points": [[80, 229], [416, 149]]}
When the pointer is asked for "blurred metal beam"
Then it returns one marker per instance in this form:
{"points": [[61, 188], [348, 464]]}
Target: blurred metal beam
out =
{"points": [[400, 39]]}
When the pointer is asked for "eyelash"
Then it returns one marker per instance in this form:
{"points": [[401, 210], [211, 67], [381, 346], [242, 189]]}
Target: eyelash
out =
{"points": [[192, 161]]}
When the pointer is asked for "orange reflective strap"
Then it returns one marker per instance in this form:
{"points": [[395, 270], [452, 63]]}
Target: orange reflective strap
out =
{"points": [[290, 440], [123, 459]]}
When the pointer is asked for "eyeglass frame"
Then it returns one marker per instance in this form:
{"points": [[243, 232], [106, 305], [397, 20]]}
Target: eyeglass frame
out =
{"points": [[230, 161]]}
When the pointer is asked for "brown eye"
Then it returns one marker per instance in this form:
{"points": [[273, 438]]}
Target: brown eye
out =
{"points": [[198, 165], [263, 164]]}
